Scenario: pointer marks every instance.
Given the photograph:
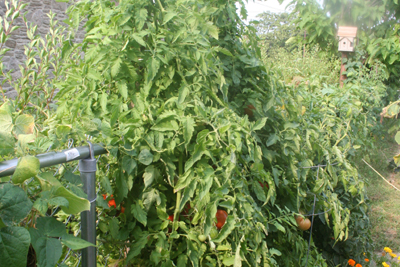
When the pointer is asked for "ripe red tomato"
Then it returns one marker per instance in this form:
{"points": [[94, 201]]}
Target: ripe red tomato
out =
{"points": [[111, 202], [122, 209], [171, 217], [221, 218]]}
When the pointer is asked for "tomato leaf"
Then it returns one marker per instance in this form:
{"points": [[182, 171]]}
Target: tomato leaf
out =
{"points": [[228, 227]]}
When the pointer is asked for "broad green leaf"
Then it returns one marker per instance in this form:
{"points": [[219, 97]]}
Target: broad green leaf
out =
{"points": [[139, 243], [138, 39], [14, 204], [24, 124], [397, 137], [259, 191], [103, 101], [63, 130], [238, 258], [259, 124], [152, 69], [7, 144], [168, 124], [226, 229], [50, 227], [76, 204], [41, 205], [123, 89], [272, 139], [14, 245], [48, 251], [128, 164], [168, 16], [228, 261], [188, 129], [139, 213], [188, 193], [5, 118], [27, 167], [193, 252], [211, 210], [149, 176], [145, 157], [115, 67], [150, 197], [75, 243]]}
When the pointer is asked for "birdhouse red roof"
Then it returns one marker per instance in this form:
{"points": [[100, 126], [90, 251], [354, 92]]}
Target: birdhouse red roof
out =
{"points": [[347, 31]]}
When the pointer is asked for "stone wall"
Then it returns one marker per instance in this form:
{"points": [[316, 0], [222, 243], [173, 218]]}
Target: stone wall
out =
{"points": [[37, 14]]}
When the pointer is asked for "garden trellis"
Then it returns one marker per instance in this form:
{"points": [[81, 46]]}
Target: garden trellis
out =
{"points": [[87, 167]]}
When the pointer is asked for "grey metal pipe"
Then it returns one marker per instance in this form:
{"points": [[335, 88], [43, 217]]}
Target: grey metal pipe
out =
{"points": [[87, 168], [53, 158]]}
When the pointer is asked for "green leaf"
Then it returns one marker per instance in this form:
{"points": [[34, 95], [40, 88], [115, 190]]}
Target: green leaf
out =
{"points": [[115, 67], [169, 16], [272, 139], [188, 129], [14, 204], [128, 164], [145, 157], [74, 242], [150, 197], [138, 39], [76, 204], [188, 193], [226, 229], [397, 137], [259, 124], [259, 191], [41, 206], [168, 124], [238, 258], [193, 253], [149, 176], [139, 244], [152, 69], [139, 213], [7, 144], [48, 251], [50, 227], [103, 101], [14, 245], [24, 124], [123, 89], [6, 118], [27, 167]]}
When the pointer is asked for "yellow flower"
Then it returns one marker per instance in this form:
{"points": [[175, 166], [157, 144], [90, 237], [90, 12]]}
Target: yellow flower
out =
{"points": [[398, 258], [388, 250], [393, 255], [384, 264]]}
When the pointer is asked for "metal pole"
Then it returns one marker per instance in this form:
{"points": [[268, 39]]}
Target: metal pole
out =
{"points": [[87, 168], [53, 158]]}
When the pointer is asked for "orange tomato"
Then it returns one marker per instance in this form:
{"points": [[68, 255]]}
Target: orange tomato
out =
{"points": [[303, 223]]}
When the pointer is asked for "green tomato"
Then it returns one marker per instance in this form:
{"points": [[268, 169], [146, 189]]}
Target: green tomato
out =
{"points": [[213, 233], [202, 238]]}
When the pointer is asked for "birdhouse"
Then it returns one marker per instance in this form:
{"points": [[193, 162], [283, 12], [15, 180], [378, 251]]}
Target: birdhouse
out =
{"points": [[347, 38]]}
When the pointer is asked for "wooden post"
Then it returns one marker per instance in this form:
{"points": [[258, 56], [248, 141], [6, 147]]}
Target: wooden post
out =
{"points": [[343, 69]]}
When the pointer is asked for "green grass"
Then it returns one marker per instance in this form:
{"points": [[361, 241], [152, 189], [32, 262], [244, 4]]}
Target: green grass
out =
{"points": [[384, 199]]}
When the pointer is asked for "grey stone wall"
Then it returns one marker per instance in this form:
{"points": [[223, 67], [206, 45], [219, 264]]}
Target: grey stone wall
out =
{"points": [[37, 14]]}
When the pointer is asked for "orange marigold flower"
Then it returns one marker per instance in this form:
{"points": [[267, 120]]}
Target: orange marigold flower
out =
{"points": [[358, 265], [352, 262], [367, 260]]}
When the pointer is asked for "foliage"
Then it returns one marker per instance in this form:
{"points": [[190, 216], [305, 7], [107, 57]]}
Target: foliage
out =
{"points": [[165, 86], [376, 22], [311, 65], [29, 196], [275, 29]]}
